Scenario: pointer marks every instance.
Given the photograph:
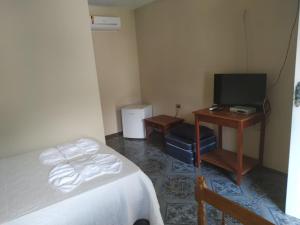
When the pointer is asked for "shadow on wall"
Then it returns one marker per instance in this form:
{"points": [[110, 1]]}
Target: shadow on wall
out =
{"points": [[119, 118], [209, 87], [187, 113]]}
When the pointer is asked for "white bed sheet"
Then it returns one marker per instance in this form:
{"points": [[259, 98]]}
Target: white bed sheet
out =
{"points": [[26, 198]]}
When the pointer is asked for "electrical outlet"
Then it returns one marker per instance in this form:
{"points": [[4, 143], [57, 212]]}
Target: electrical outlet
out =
{"points": [[178, 106]]}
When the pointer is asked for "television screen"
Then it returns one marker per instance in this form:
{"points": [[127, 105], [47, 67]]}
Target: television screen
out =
{"points": [[240, 89]]}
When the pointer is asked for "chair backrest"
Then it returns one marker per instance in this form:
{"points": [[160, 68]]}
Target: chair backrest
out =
{"points": [[227, 207]]}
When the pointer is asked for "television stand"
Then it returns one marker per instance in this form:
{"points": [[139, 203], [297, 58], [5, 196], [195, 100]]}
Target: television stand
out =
{"points": [[230, 161]]}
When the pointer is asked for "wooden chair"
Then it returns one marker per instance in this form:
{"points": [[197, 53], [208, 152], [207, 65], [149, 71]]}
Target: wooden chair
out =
{"points": [[227, 207]]}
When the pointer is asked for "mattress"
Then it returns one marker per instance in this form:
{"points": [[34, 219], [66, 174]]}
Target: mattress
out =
{"points": [[27, 199]]}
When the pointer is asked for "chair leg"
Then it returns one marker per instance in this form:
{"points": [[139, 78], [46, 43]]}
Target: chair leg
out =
{"points": [[201, 185], [201, 213], [223, 219]]}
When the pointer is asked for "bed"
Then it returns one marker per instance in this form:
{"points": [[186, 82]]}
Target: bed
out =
{"points": [[26, 198]]}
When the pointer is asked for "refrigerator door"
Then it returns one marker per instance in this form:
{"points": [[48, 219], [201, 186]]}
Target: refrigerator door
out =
{"points": [[133, 120]]}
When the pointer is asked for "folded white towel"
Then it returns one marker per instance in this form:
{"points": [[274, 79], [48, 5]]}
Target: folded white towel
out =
{"points": [[67, 176], [97, 165], [69, 151], [51, 156], [89, 146], [64, 177]]}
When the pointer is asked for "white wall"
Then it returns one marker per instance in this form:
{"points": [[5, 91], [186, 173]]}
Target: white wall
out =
{"points": [[48, 83], [117, 66], [293, 187]]}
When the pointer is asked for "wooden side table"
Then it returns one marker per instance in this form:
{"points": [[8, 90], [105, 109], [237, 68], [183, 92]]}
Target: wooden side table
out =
{"points": [[233, 162], [162, 122]]}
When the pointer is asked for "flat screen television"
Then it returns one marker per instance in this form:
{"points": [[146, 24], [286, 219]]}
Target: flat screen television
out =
{"points": [[240, 89]]}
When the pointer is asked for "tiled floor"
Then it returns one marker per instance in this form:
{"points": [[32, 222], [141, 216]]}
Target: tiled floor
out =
{"points": [[262, 190]]}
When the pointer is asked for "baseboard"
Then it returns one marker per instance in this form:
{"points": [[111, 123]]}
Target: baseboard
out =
{"points": [[275, 171], [113, 135]]}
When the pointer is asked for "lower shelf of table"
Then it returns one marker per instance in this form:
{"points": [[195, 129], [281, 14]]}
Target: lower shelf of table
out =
{"points": [[228, 160]]}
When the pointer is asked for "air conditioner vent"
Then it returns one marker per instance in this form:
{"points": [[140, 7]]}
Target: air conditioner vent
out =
{"points": [[105, 23]]}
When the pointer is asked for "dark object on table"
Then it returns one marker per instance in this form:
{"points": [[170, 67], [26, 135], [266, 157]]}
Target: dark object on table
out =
{"points": [[181, 143], [142, 222]]}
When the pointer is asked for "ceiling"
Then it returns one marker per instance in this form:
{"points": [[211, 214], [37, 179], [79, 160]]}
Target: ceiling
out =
{"points": [[133, 4]]}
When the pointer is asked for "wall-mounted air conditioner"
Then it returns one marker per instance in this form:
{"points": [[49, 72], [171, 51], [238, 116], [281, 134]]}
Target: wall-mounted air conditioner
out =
{"points": [[105, 23]]}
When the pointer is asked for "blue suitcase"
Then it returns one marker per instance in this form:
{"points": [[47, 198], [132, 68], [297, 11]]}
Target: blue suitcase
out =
{"points": [[181, 144]]}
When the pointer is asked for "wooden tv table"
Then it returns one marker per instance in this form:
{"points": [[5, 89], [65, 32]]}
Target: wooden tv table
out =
{"points": [[230, 161]]}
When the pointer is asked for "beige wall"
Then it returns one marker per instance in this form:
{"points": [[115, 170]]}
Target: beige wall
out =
{"points": [[117, 66], [48, 83], [183, 43]]}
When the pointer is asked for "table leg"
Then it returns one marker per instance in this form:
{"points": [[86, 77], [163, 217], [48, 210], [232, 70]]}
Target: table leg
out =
{"points": [[164, 133], [148, 131], [220, 138], [197, 127], [239, 155], [262, 142]]}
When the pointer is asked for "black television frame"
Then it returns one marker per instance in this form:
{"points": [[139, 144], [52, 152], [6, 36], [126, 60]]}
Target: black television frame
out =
{"points": [[217, 91]]}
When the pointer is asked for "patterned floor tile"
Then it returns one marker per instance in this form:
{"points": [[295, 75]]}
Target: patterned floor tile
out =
{"points": [[152, 166], [282, 219], [156, 154], [155, 180], [209, 170], [253, 204], [180, 167], [179, 187], [214, 217], [262, 190], [181, 214], [223, 187]]}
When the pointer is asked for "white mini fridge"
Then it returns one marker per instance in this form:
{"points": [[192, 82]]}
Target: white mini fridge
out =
{"points": [[133, 120]]}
